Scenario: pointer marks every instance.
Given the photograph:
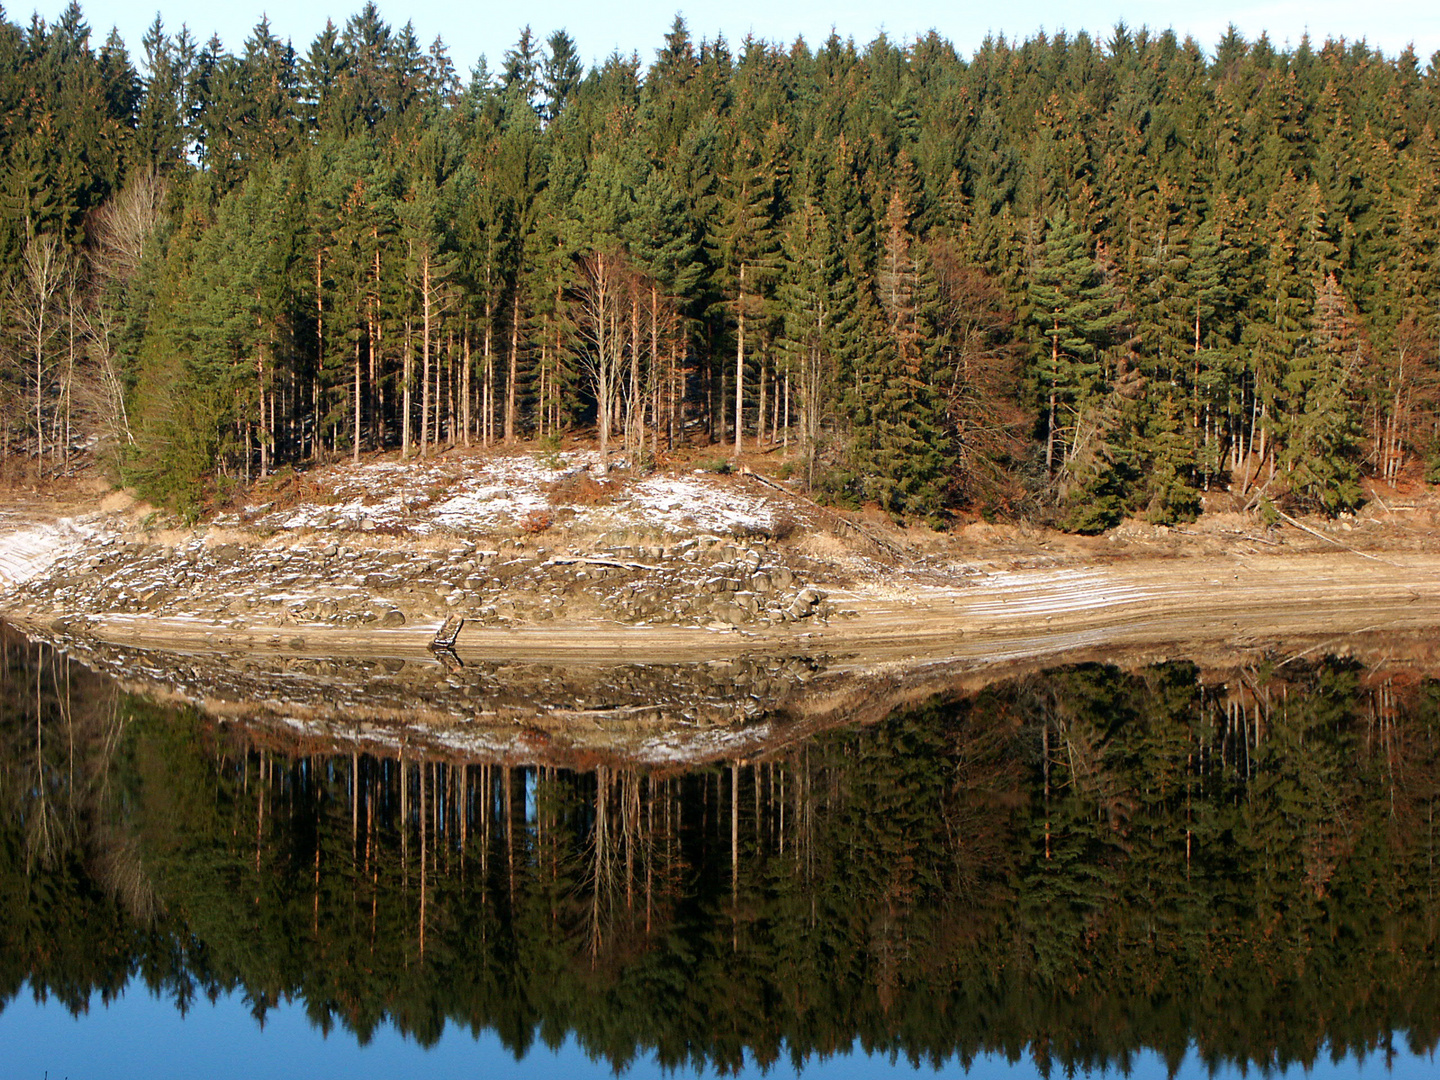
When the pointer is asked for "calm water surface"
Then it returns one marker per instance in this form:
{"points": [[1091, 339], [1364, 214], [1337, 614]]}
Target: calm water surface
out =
{"points": [[1158, 873]]}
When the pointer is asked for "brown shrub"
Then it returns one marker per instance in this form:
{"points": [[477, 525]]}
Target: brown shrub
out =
{"points": [[536, 521], [783, 526], [579, 489]]}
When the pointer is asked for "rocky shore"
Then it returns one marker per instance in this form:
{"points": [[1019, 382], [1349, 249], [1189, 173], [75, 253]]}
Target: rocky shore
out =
{"points": [[359, 582], [548, 563]]}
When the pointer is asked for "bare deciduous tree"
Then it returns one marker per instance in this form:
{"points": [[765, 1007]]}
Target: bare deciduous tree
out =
{"points": [[122, 227], [34, 296], [599, 301]]}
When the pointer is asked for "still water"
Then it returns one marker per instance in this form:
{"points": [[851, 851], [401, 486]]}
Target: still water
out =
{"points": [[1155, 872]]}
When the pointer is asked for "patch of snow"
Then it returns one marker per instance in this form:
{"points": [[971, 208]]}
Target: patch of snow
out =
{"points": [[676, 747], [480, 494], [30, 550], [679, 504]]}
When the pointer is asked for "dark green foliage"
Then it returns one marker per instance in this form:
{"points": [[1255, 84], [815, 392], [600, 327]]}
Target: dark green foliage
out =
{"points": [[1128, 207]]}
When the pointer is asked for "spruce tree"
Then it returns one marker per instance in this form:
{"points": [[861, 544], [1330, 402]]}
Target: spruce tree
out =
{"points": [[1075, 311]]}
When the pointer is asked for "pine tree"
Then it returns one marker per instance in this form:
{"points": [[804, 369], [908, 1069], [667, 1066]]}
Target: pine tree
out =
{"points": [[1075, 311], [560, 75], [745, 249], [1320, 452], [808, 306], [901, 435]]}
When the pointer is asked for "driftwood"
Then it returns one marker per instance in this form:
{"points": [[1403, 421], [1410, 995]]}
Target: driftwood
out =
{"points": [[1245, 536], [1329, 539], [889, 547], [1328, 642], [588, 560], [448, 632]]}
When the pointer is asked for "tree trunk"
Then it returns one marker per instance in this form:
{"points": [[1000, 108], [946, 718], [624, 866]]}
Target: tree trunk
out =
{"points": [[405, 392], [760, 418], [425, 354], [317, 392], [465, 390], [264, 449], [355, 449], [1050, 424], [514, 368], [740, 368]]}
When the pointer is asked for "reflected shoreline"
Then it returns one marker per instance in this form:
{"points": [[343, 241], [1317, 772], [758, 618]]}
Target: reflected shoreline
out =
{"points": [[573, 713]]}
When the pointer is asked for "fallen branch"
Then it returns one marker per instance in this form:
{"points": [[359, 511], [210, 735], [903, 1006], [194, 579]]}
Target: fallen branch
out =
{"points": [[1330, 641], [619, 564], [1250, 536], [891, 548], [1330, 539], [446, 635]]}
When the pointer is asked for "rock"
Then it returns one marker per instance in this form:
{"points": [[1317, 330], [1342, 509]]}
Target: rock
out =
{"points": [[393, 617], [760, 583]]}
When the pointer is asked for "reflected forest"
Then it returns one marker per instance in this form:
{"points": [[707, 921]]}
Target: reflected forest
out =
{"points": [[1073, 866]]}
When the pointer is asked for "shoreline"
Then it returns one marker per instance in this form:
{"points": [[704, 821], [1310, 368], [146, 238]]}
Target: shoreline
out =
{"points": [[592, 651], [638, 574], [1009, 615]]}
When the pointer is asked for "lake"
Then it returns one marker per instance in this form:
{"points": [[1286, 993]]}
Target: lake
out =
{"points": [[1155, 870]]}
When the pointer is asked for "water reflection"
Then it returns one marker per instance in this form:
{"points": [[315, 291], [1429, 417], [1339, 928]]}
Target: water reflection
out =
{"points": [[1072, 869]]}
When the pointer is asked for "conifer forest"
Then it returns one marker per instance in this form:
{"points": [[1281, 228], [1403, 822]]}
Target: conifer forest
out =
{"points": [[1072, 278]]}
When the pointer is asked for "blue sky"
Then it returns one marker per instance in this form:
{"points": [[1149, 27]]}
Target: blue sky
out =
{"points": [[471, 28]]}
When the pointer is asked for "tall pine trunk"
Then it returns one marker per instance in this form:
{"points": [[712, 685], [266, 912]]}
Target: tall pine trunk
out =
{"points": [[465, 388], [355, 449], [514, 368], [317, 392], [425, 356], [488, 387], [406, 393], [740, 369]]}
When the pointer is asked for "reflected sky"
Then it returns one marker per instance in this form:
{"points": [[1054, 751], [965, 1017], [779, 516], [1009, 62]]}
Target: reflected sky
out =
{"points": [[142, 1037]]}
